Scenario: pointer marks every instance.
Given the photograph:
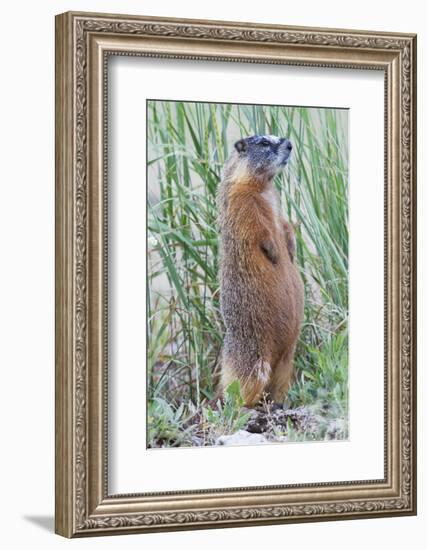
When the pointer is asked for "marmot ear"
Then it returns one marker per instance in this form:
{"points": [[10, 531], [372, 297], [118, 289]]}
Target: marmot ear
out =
{"points": [[240, 145]]}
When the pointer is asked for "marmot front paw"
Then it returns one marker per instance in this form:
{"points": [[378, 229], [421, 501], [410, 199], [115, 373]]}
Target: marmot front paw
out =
{"points": [[270, 250]]}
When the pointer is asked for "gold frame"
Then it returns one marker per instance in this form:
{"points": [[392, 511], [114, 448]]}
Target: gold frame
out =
{"points": [[83, 43]]}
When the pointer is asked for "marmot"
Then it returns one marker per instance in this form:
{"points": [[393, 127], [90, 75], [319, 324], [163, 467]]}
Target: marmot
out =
{"points": [[261, 291]]}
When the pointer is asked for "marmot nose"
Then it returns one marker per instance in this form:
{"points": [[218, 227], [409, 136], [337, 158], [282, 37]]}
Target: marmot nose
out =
{"points": [[287, 143]]}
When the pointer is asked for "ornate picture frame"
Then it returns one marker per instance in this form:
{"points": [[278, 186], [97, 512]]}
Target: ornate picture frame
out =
{"points": [[84, 42]]}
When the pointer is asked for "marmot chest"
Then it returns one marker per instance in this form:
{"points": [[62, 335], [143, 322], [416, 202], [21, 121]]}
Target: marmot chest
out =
{"points": [[272, 199]]}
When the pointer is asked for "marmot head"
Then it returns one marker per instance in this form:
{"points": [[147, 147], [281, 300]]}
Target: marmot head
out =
{"points": [[264, 155]]}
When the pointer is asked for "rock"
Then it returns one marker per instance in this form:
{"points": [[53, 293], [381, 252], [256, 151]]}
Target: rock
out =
{"points": [[257, 424], [265, 418], [196, 441], [301, 416], [242, 437]]}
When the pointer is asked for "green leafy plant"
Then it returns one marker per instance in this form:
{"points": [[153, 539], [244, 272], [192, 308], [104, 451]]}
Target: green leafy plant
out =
{"points": [[166, 424], [229, 415]]}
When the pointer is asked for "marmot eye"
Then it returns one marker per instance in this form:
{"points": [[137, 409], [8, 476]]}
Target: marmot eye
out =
{"points": [[265, 143]]}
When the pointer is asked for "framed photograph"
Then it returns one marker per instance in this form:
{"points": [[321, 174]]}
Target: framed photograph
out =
{"points": [[235, 274]]}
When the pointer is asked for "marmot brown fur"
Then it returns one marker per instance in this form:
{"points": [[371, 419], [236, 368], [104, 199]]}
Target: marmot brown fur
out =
{"points": [[261, 291]]}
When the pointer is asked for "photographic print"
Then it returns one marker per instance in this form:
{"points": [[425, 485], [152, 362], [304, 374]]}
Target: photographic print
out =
{"points": [[240, 288], [247, 274]]}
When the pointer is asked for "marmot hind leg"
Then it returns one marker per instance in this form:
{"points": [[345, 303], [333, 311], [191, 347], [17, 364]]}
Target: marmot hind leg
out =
{"points": [[253, 382], [282, 378]]}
